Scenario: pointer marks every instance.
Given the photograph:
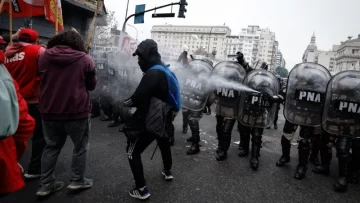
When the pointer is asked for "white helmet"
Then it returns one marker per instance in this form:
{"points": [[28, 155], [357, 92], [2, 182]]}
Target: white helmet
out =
{"points": [[185, 48]]}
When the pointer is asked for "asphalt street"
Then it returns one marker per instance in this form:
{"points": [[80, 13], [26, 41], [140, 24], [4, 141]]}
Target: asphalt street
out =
{"points": [[198, 178]]}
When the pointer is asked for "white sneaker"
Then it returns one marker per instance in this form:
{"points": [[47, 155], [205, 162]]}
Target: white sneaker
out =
{"points": [[32, 176]]}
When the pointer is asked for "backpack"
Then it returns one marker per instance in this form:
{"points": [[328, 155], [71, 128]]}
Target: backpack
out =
{"points": [[9, 106]]}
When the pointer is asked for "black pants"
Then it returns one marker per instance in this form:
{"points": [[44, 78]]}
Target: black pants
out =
{"points": [[224, 127], [38, 141], [106, 105], [95, 103], [136, 148]]}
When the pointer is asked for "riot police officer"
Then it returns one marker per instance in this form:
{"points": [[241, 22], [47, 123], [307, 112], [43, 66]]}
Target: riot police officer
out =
{"points": [[191, 117], [256, 132], [303, 106], [227, 105]]}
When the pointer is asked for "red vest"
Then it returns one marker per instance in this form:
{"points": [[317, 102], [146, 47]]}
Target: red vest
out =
{"points": [[23, 67]]}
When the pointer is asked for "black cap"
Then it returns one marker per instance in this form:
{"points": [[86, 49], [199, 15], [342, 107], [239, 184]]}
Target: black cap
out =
{"points": [[145, 48]]}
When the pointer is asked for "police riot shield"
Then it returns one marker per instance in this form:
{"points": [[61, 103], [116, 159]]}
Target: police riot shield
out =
{"points": [[341, 114], [305, 94], [256, 108], [228, 98], [194, 84]]}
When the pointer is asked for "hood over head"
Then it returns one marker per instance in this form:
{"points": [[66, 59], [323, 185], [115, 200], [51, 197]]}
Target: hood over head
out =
{"points": [[148, 54], [63, 55]]}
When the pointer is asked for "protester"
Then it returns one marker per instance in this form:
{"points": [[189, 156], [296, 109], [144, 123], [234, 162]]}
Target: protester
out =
{"points": [[67, 73], [3, 44], [157, 92], [16, 126], [22, 63]]}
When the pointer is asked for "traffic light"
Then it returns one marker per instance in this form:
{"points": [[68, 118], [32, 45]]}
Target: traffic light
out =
{"points": [[182, 8]]}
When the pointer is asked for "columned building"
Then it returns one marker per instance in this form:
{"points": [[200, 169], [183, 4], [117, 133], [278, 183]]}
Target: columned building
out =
{"points": [[348, 55]]}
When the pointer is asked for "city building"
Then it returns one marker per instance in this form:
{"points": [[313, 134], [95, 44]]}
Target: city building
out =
{"points": [[207, 40], [246, 42], [255, 43], [232, 47], [325, 58], [348, 55], [279, 60], [267, 47], [71, 18]]}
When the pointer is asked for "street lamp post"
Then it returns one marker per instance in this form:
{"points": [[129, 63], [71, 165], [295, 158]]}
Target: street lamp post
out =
{"points": [[207, 55], [127, 8]]}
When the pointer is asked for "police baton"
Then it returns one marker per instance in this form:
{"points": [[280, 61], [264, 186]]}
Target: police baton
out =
{"points": [[154, 151]]}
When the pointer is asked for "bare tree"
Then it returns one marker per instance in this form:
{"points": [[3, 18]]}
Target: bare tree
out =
{"points": [[103, 36]]}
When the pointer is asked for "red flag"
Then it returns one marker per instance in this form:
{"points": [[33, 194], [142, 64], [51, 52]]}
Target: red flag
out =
{"points": [[50, 13], [25, 8]]}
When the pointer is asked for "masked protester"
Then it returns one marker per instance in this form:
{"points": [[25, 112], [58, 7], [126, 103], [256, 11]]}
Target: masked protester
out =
{"points": [[22, 63], [16, 126], [67, 74], [157, 92]]}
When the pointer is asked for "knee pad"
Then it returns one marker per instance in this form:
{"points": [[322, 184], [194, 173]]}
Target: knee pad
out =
{"points": [[196, 115], [256, 139], [306, 132], [228, 125], [343, 148], [304, 144]]}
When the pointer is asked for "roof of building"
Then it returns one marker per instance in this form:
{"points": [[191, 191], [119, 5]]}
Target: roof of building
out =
{"points": [[312, 46]]}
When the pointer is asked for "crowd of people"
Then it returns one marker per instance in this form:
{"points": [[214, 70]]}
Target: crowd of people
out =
{"points": [[44, 94]]}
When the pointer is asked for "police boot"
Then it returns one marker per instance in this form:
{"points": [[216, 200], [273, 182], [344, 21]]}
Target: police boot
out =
{"points": [[324, 167], [195, 131], [255, 153], [244, 146], [114, 123], [275, 126], [223, 147], [304, 151], [221, 153], [105, 118], [195, 147], [341, 184], [315, 148], [285, 157]]}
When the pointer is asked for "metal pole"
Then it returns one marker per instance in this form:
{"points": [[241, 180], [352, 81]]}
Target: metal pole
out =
{"points": [[142, 13], [127, 8], [207, 55]]}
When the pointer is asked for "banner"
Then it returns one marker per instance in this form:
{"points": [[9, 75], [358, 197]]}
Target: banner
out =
{"points": [[126, 43], [50, 13], [25, 8]]}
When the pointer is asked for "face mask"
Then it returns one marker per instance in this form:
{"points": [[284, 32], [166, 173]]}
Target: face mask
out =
{"points": [[142, 65]]}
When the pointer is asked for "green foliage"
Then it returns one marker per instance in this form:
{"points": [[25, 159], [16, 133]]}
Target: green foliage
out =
{"points": [[283, 72]]}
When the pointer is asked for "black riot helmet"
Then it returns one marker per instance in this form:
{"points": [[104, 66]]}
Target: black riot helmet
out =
{"points": [[240, 57], [260, 64]]}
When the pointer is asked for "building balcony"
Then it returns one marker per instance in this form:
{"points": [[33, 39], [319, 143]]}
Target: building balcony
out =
{"points": [[346, 55]]}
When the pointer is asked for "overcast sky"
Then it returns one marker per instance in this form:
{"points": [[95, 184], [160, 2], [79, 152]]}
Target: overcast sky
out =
{"points": [[293, 21]]}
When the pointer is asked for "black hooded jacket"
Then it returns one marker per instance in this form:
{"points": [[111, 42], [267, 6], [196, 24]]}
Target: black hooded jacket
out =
{"points": [[153, 83]]}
